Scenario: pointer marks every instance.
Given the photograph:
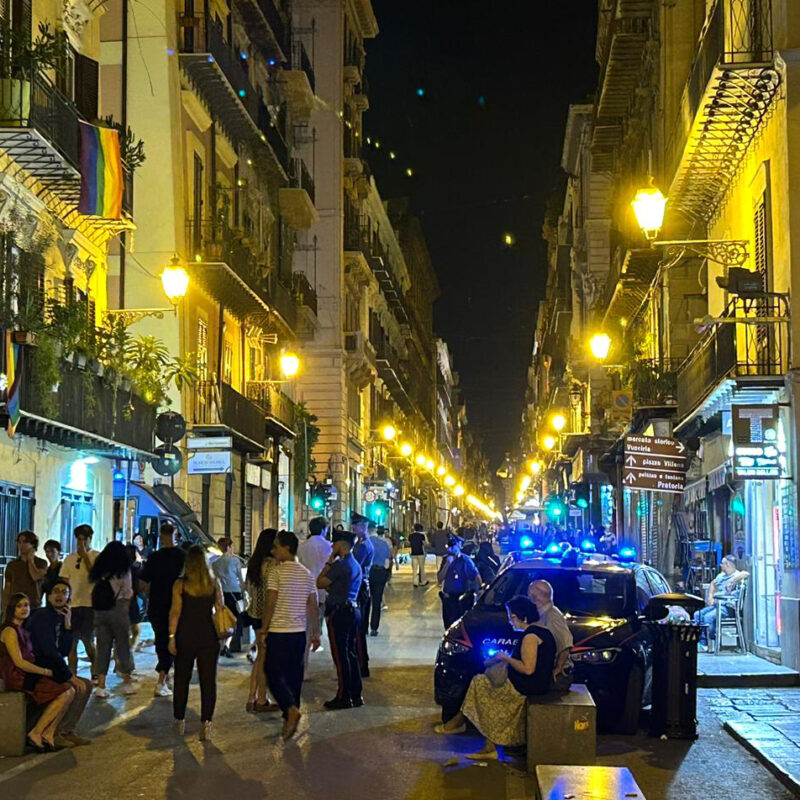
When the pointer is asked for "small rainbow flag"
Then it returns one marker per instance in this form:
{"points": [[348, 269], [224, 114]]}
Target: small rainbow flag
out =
{"points": [[13, 356], [101, 172]]}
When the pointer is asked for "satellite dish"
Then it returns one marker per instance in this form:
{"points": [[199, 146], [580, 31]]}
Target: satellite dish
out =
{"points": [[170, 427], [168, 460]]}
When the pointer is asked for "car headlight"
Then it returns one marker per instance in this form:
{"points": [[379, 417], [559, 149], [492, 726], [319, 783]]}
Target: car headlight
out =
{"points": [[595, 656], [451, 648]]}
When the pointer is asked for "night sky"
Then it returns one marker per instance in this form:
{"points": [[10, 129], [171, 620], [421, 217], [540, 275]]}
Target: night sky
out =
{"points": [[484, 142]]}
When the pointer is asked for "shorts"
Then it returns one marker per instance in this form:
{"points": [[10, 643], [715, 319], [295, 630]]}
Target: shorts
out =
{"points": [[250, 622], [82, 623]]}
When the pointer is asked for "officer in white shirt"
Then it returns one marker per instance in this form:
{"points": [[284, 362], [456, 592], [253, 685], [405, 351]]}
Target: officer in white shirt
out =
{"points": [[313, 553]]}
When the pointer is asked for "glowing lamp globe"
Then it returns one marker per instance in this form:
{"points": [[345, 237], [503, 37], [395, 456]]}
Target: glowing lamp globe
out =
{"points": [[449, 480], [406, 449], [559, 422], [441, 471], [459, 490], [421, 460], [600, 345], [290, 365], [549, 442], [389, 432], [175, 281], [648, 206]]}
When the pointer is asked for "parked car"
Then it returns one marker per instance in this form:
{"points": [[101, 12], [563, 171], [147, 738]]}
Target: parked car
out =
{"points": [[604, 600]]}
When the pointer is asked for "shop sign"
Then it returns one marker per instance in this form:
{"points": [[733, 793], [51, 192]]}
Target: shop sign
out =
{"points": [[209, 443], [756, 446], [209, 462], [654, 464]]}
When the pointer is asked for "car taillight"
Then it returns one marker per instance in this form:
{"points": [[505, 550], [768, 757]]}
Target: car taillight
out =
{"points": [[456, 640]]}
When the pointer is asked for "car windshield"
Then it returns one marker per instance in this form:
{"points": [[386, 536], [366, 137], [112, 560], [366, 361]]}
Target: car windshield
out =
{"points": [[580, 592]]}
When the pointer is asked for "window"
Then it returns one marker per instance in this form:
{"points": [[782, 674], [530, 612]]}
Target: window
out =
{"points": [[197, 202], [202, 349], [227, 362], [643, 590], [16, 514], [354, 403], [77, 508]]}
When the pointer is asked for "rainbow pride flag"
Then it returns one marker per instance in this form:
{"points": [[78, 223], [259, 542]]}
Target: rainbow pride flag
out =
{"points": [[101, 172], [13, 356]]}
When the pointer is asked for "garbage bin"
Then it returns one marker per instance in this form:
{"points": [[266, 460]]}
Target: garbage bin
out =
{"points": [[674, 706]]}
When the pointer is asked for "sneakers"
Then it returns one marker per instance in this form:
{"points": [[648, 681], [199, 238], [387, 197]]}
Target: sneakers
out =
{"points": [[373, 633], [101, 694], [338, 703], [358, 702], [128, 688], [205, 732], [162, 690]]}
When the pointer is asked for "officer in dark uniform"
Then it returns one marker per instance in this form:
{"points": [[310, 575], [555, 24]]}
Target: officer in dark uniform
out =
{"points": [[364, 553], [341, 578], [458, 576]]}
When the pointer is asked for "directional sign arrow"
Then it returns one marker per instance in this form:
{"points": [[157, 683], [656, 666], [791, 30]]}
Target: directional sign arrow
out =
{"points": [[629, 478], [630, 460]]}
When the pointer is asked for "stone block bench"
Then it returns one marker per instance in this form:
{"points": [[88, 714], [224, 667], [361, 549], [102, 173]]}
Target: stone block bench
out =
{"points": [[562, 782]]}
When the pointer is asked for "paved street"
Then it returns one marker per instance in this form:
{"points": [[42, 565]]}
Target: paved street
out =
{"points": [[385, 749]]}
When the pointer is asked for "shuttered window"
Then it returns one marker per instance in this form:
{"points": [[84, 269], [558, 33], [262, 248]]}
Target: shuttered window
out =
{"points": [[761, 256], [86, 86]]}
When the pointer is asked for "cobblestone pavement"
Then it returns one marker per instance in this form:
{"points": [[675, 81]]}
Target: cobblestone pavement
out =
{"points": [[385, 750]]}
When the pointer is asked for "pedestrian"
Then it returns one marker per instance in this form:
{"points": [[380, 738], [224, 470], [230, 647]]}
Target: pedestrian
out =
{"points": [[313, 553], [75, 570], [112, 591], [161, 570], [141, 547], [540, 593], [291, 609], [26, 573], [458, 576], [497, 700], [487, 561], [227, 570], [20, 673], [438, 540], [417, 542], [364, 553], [378, 577], [258, 569], [50, 629], [193, 637], [341, 579], [137, 606], [52, 552]]}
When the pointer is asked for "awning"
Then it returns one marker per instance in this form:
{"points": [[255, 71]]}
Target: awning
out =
{"points": [[695, 492], [718, 477], [638, 269], [227, 287]]}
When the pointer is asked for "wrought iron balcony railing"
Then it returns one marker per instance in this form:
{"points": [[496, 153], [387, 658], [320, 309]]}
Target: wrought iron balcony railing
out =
{"points": [[304, 292], [272, 402], [217, 404], [300, 177], [737, 349], [301, 61]]}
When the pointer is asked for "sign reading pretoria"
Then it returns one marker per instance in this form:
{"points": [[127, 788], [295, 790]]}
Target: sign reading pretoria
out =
{"points": [[654, 464], [757, 449]]}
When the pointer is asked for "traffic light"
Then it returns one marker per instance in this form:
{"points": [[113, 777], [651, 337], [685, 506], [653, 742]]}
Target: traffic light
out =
{"points": [[555, 509], [378, 511], [318, 495], [581, 491]]}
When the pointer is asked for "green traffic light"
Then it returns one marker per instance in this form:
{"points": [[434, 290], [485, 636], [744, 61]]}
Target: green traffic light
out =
{"points": [[581, 503]]}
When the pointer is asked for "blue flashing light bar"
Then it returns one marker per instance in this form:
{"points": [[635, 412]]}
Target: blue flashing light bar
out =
{"points": [[526, 543], [588, 546], [627, 554]]}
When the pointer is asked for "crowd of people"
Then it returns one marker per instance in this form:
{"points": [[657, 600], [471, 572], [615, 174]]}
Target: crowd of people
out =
{"points": [[198, 608]]}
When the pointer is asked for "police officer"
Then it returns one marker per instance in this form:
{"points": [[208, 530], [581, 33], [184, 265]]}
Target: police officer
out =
{"points": [[364, 553], [341, 579], [457, 576]]}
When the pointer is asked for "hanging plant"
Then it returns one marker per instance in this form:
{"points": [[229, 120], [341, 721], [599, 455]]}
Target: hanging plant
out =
{"points": [[307, 435], [131, 146]]}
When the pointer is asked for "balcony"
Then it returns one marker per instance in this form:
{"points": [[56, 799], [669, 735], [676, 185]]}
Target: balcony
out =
{"points": [[300, 82], [736, 357], [357, 248], [217, 73], [39, 131], [306, 301], [85, 411], [266, 28], [281, 300], [297, 199], [278, 409], [624, 30], [219, 408], [727, 100], [360, 355]]}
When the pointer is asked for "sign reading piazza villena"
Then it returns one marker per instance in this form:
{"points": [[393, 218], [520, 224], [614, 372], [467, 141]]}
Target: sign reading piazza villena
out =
{"points": [[654, 464], [756, 442]]}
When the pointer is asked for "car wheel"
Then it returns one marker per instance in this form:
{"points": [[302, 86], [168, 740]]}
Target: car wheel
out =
{"points": [[632, 708]]}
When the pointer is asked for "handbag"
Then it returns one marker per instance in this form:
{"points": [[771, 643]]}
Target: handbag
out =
{"points": [[224, 621], [497, 674]]}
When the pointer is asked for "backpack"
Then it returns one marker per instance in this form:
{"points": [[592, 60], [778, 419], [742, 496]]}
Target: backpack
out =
{"points": [[103, 597]]}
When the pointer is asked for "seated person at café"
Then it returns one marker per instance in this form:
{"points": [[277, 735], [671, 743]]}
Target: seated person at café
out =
{"points": [[50, 629], [496, 700], [727, 584], [20, 673]]}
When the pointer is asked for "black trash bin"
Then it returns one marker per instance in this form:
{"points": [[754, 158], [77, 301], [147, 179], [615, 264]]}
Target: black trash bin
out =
{"points": [[674, 706]]}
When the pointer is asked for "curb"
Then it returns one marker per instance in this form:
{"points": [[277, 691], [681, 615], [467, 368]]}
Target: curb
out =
{"points": [[786, 778]]}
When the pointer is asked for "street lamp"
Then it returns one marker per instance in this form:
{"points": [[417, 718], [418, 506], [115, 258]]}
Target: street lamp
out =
{"points": [[429, 465], [406, 449], [558, 421], [441, 471], [290, 364], [421, 460], [459, 490], [648, 206], [549, 442], [174, 282], [600, 344], [534, 466], [389, 433], [449, 480]]}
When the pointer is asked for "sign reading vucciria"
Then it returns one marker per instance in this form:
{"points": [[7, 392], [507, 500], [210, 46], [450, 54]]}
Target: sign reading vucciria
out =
{"points": [[757, 449], [654, 464]]}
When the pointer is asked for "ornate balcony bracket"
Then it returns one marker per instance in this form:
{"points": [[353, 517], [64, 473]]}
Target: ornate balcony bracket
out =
{"points": [[727, 252], [130, 316]]}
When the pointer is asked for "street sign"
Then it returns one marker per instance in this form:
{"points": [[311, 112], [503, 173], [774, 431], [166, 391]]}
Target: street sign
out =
{"points": [[210, 443], [209, 462], [757, 449], [654, 464]]}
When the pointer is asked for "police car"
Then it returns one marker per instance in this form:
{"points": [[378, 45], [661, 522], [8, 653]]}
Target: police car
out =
{"points": [[603, 599]]}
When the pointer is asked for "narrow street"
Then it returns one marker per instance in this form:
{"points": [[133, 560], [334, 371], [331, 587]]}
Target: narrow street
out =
{"points": [[386, 750]]}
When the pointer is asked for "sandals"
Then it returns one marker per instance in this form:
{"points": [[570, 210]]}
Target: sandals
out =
{"points": [[267, 707], [441, 729]]}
